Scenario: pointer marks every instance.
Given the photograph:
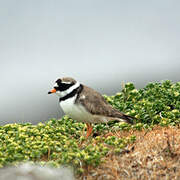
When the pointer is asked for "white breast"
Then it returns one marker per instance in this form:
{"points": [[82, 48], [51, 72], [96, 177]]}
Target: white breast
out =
{"points": [[75, 111]]}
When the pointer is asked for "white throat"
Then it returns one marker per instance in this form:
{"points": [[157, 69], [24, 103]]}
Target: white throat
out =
{"points": [[68, 91]]}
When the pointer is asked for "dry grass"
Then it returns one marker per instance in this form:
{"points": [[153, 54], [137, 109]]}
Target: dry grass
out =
{"points": [[154, 155]]}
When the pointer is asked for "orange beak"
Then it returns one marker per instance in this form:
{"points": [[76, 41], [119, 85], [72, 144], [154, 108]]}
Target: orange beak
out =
{"points": [[52, 91]]}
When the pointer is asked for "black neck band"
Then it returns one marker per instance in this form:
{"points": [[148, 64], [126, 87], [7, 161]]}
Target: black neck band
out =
{"points": [[71, 94]]}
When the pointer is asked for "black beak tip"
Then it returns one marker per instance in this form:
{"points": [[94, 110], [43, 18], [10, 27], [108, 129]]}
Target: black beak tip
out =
{"points": [[49, 92]]}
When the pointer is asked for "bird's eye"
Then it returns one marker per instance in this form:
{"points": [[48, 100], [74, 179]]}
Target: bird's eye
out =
{"points": [[63, 86], [58, 81]]}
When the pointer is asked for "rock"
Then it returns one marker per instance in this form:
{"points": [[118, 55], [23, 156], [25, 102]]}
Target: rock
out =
{"points": [[29, 171]]}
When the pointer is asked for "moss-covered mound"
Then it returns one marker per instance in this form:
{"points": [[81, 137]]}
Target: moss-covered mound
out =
{"points": [[62, 141]]}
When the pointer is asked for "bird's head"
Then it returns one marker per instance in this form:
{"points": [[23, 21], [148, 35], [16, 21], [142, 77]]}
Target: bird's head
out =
{"points": [[64, 86]]}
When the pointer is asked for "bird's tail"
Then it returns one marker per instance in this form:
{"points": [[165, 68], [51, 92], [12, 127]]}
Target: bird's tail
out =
{"points": [[128, 119]]}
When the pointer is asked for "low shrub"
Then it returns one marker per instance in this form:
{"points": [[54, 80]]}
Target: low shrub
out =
{"points": [[62, 141]]}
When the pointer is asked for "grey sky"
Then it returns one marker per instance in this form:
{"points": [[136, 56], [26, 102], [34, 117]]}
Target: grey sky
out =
{"points": [[99, 42]]}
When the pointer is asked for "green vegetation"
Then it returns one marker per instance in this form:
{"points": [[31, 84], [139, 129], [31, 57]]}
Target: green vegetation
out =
{"points": [[62, 141], [57, 141], [157, 103]]}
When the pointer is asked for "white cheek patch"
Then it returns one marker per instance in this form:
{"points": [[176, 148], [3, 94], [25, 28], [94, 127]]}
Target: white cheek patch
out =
{"points": [[58, 93]]}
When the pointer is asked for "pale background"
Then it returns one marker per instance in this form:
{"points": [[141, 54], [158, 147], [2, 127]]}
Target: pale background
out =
{"points": [[101, 43]]}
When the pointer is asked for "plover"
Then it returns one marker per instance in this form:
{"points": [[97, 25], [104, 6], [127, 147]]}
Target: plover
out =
{"points": [[84, 104]]}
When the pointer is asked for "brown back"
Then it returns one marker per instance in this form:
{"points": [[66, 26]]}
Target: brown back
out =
{"points": [[95, 103]]}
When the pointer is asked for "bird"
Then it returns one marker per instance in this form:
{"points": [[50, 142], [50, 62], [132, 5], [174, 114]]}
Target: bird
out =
{"points": [[84, 104]]}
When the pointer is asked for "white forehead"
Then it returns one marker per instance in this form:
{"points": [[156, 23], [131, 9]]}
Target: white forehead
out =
{"points": [[55, 85], [65, 82]]}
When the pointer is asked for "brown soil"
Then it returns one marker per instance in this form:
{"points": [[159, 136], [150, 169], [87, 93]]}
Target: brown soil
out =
{"points": [[154, 155]]}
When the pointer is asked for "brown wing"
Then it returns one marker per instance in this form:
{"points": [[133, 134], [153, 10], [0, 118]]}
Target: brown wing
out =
{"points": [[95, 103]]}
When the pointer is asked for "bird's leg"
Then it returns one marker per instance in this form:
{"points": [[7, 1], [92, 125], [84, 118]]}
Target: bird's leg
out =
{"points": [[83, 130], [89, 129]]}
